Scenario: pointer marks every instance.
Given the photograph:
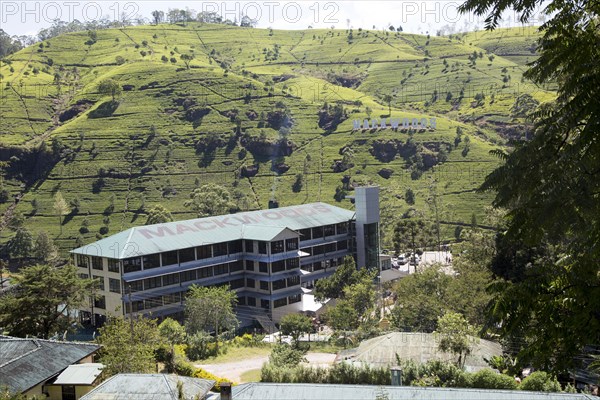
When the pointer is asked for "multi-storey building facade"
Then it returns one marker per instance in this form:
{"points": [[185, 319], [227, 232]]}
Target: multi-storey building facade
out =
{"points": [[269, 257]]}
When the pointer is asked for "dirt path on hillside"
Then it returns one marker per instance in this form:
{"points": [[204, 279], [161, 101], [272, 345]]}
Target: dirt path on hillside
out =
{"points": [[234, 370]]}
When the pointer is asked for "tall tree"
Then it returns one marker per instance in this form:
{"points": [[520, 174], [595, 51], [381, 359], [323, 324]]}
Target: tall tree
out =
{"points": [[158, 16], [295, 325], [15, 220], [547, 255], [210, 308], [211, 199], [456, 335], [158, 215], [110, 87], [61, 208], [333, 286], [173, 333], [20, 246], [40, 306], [44, 248], [422, 298], [128, 347], [412, 232]]}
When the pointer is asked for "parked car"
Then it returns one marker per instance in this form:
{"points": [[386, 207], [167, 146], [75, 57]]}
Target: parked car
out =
{"points": [[402, 259]]}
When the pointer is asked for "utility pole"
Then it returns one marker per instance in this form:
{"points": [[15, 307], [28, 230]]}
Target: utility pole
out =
{"points": [[130, 310]]}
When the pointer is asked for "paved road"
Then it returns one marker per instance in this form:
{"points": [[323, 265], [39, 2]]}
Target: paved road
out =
{"points": [[234, 370]]}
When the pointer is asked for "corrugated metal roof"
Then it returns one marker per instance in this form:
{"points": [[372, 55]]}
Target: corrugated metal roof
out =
{"points": [[159, 238], [261, 232], [301, 391], [419, 347], [28, 362], [79, 374], [149, 387]]}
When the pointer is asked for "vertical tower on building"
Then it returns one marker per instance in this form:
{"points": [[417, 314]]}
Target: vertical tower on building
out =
{"points": [[366, 201]]}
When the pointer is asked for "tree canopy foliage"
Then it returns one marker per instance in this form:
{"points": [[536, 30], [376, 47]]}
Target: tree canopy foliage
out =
{"points": [[158, 215], [128, 347], [295, 325], [333, 286], [211, 199], [547, 255], [210, 308], [41, 303], [428, 294], [456, 335]]}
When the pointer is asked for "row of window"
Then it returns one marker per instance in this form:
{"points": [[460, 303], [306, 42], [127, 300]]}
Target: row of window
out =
{"points": [[317, 266], [326, 248], [97, 263], [204, 252], [275, 285], [186, 276], [287, 300], [276, 266], [175, 298], [320, 232]]}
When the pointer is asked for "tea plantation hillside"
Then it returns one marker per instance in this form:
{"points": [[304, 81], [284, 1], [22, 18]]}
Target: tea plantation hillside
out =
{"points": [[266, 113]]}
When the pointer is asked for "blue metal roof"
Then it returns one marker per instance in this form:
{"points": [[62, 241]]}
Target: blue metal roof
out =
{"points": [[257, 225]]}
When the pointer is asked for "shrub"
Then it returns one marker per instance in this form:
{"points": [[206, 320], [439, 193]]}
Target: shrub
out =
{"points": [[540, 381], [200, 373], [342, 373], [488, 379], [200, 346], [181, 366], [283, 355]]}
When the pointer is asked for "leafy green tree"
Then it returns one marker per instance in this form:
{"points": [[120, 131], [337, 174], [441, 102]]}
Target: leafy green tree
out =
{"points": [[61, 208], [550, 287], [295, 325], [187, 59], [128, 347], [409, 197], [44, 248], [342, 317], [110, 87], [20, 246], [172, 333], [209, 308], [15, 221], [211, 199], [333, 286], [413, 233], [198, 346], [45, 295], [455, 335], [422, 298], [387, 98], [540, 381], [158, 215], [284, 355]]}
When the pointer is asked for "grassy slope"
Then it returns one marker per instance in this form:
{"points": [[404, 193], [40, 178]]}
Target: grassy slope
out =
{"points": [[382, 60]]}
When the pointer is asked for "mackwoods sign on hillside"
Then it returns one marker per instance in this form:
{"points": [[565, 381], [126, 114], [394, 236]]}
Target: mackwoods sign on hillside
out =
{"points": [[394, 123]]}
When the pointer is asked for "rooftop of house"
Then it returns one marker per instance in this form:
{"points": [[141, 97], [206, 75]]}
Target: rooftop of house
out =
{"points": [[25, 363], [301, 391], [419, 347], [80, 374], [149, 387], [254, 225]]}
